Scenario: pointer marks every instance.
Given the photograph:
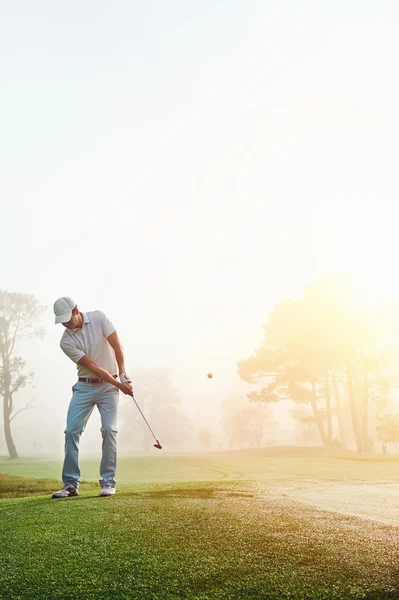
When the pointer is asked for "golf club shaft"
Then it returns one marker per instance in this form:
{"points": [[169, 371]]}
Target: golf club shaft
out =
{"points": [[142, 414]]}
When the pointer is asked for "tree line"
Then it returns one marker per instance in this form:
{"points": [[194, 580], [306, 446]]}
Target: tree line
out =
{"points": [[328, 352]]}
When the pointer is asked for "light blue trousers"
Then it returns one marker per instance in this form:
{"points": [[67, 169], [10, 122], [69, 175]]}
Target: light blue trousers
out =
{"points": [[85, 397]]}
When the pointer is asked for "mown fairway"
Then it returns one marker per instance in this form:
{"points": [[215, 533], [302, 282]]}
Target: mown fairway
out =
{"points": [[242, 525]]}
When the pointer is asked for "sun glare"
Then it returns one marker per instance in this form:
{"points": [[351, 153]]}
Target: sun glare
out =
{"points": [[369, 251]]}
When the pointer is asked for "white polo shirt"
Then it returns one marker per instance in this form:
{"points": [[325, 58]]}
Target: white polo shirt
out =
{"points": [[91, 339]]}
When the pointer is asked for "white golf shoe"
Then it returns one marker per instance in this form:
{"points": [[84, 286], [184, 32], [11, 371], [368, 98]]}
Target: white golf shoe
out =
{"points": [[67, 491], [108, 490]]}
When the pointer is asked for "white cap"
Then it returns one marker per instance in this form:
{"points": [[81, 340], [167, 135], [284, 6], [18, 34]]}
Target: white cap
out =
{"points": [[63, 308]]}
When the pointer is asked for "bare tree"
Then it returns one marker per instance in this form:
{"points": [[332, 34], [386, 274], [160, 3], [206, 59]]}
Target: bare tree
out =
{"points": [[19, 320], [245, 423], [387, 431], [205, 439]]}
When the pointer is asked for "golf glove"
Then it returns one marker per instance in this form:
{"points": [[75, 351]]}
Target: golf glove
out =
{"points": [[125, 379]]}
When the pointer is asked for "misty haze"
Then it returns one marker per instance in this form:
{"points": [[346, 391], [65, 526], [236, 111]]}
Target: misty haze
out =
{"points": [[219, 180]]}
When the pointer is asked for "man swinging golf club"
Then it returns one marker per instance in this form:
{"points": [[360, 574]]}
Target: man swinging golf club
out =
{"points": [[90, 340]]}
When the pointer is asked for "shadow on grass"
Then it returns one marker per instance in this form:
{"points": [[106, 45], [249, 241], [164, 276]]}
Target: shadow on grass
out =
{"points": [[97, 496], [194, 493], [203, 493]]}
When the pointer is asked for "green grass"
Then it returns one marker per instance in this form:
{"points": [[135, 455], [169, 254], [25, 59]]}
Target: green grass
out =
{"points": [[231, 526], [210, 540], [259, 465], [12, 486]]}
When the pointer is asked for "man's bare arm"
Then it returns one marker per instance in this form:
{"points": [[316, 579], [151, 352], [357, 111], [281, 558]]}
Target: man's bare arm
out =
{"points": [[101, 373], [115, 343]]}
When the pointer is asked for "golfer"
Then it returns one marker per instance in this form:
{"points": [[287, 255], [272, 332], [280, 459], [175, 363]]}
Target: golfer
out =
{"points": [[90, 340]]}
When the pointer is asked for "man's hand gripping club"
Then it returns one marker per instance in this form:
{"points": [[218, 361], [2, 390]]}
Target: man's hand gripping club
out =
{"points": [[125, 379], [124, 386]]}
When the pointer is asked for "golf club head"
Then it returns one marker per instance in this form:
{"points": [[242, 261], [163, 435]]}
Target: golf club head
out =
{"points": [[158, 445]]}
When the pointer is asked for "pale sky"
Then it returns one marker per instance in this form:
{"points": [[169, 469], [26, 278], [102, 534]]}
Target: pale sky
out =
{"points": [[183, 165]]}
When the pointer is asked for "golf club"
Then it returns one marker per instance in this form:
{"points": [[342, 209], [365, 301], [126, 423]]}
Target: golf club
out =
{"points": [[157, 445]]}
